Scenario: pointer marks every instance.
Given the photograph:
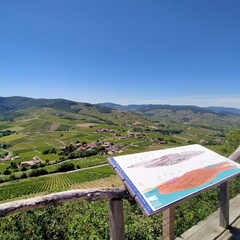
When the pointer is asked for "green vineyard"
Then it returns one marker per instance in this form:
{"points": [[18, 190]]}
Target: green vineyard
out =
{"points": [[53, 183]]}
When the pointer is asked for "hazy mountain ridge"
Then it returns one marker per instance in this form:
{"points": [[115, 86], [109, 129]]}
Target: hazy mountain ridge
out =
{"points": [[10, 106], [174, 108], [182, 114], [225, 109]]}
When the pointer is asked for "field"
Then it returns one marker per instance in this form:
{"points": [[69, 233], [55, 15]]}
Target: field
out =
{"points": [[58, 182], [12, 137]]}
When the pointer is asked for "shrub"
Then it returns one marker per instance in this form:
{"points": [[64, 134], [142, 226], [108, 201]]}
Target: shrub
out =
{"points": [[12, 177], [42, 165], [34, 166], [24, 169], [46, 151], [13, 165], [23, 175], [7, 172], [64, 167], [38, 172]]}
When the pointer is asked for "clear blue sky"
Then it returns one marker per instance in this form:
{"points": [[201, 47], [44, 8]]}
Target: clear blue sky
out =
{"points": [[122, 51]]}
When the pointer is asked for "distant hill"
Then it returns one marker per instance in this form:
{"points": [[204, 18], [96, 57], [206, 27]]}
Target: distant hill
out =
{"points": [[10, 106], [194, 109], [20, 108], [16, 103], [182, 114], [225, 109]]}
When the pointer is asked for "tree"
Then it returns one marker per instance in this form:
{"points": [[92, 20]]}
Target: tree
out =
{"points": [[232, 141], [38, 172], [23, 169], [4, 146], [13, 165], [6, 172], [46, 151], [23, 175], [53, 150], [34, 166], [12, 177], [41, 165], [64, 167]]}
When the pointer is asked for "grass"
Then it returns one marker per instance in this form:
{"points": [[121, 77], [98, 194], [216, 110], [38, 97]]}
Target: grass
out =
{"points": [[90, 161], [12, 137], [15, 128], [112, 181], [2, 152], [5, 125], [3, 166], [64, 127]]}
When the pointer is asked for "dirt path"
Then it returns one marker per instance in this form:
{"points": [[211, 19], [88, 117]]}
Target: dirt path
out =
{"points": [[8, 156]]}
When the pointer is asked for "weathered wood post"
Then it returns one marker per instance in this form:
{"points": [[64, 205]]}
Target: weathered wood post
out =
{"points": [[224, 205], [224, 195], [168, 223], [116, 218]]}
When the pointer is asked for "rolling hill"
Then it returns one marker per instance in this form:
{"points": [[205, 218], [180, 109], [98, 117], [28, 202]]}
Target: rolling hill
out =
{"points": [[12, 108], [173, 108]]}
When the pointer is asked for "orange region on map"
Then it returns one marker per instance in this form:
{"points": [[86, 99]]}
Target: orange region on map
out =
{"points": [[194, 178]]}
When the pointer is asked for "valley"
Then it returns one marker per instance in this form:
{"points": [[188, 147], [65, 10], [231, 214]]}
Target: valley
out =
{"points": [[60, 136]]}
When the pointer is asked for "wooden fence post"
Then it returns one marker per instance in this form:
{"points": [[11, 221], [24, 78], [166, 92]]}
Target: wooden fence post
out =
{"points": [[116, 218], [224, 205], [168, 223], [224, 195]]}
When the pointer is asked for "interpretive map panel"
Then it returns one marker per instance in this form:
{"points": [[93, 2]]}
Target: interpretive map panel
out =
{"points": [[160, 178]]}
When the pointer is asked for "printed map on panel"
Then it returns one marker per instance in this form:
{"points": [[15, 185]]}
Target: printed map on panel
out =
{"points": [[160, 178]]}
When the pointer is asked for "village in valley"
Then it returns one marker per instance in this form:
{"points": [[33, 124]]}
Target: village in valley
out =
{"points": [[79, 150]]}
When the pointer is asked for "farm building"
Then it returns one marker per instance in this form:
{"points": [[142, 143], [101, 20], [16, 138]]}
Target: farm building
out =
{"points": [[29, 163]]}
